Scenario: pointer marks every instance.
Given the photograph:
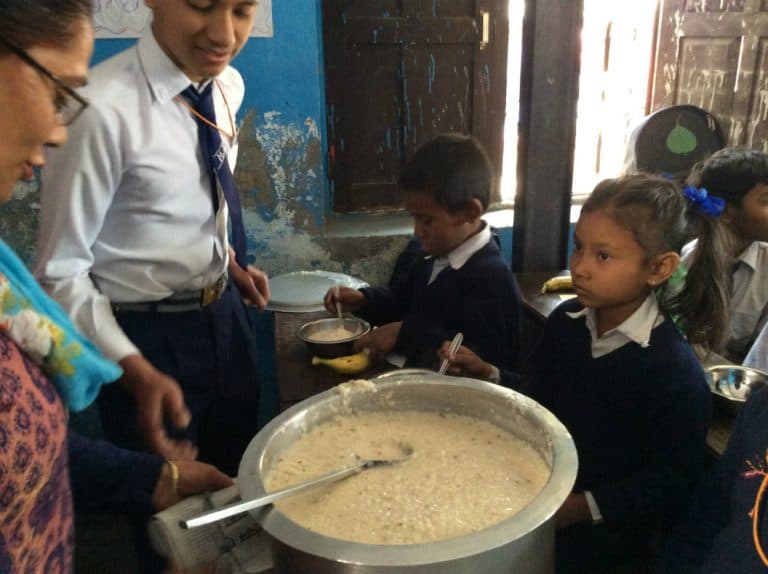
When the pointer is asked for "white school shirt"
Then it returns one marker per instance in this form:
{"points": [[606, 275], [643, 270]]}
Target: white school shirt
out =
{"points": [[749, 297], [127, 211], [461, 254]]}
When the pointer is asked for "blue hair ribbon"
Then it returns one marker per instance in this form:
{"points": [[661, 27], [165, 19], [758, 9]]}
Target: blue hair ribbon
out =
{"points": [[705, 203]]}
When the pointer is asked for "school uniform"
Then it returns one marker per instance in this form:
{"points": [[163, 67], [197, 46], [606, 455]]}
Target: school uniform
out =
{"points": [[638, 408], [716, 534], [130, 243], [749, 298], [471, 290]]}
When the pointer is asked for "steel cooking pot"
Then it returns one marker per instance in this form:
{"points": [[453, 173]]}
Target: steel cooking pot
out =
{"points": [[521, 543]]}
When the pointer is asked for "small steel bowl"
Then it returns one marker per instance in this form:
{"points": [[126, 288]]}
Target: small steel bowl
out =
{"points": [[332, 349], [732, 384]]}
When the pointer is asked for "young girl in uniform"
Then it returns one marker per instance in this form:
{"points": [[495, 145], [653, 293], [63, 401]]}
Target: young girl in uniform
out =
{"points": [[613, 366], [740, 177]]}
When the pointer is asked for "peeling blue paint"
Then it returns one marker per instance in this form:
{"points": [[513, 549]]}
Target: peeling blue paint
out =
{"points": [[430, 72], [487, 79], [421, 114]]}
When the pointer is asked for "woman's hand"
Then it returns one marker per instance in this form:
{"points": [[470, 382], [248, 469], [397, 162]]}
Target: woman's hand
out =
{"points": [[465, 362], [350, 299], [193, 477], [157, 397]]}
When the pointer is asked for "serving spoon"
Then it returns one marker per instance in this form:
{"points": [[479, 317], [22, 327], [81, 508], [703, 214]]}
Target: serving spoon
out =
{"points": [[259, 501], [340, 316]]}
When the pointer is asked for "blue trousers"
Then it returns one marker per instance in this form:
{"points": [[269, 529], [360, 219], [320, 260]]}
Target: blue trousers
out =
{"points": [[212, 354]]}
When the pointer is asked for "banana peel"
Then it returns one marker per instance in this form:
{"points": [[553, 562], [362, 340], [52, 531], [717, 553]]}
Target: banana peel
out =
{"points": [[559, 283], [347, 365]]}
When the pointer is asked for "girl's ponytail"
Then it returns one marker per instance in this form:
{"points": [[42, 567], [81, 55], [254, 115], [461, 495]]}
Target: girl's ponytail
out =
{"points": [[701, 308]]}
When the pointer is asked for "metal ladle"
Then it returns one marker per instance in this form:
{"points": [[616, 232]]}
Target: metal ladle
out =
{"points": [[259, 501]]}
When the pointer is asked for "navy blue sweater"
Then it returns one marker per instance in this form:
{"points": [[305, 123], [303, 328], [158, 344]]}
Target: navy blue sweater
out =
{"points": [[106, 478], [639, 416], [716, 535], [481, 300]]}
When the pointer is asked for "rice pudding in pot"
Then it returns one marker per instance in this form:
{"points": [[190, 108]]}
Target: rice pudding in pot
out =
{"points": [[463, 475]]}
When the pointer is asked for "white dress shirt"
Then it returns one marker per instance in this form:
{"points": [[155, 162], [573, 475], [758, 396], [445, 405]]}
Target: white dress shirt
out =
{"points": [[461, 254], [635, 328], [749, 297], [127, 212]]}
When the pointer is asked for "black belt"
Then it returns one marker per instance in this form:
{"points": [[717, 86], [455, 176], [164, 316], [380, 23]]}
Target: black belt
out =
{"points": [[179, 302]]}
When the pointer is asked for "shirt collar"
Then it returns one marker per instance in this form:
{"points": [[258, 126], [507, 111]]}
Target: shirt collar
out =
{"points": [[165, 79], [635, 328], [461, 254], [750, 255]]}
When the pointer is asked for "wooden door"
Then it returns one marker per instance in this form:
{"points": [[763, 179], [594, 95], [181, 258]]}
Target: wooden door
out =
{"points": [[712, 54], [399, 72]]}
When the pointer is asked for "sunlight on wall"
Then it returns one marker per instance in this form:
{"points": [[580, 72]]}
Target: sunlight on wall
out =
{"points": [[616, 54], [617, 48], [509, 168]]}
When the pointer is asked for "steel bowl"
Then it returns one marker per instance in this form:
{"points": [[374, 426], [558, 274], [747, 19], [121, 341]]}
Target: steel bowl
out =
{"points": [[732, 384], [337, 348], [522, 543]]}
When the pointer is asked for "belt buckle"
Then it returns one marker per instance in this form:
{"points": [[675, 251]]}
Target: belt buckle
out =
{"points": [[212, 292]]}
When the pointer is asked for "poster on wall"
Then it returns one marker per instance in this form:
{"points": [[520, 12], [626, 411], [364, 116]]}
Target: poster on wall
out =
{"points": [[128, 18]]}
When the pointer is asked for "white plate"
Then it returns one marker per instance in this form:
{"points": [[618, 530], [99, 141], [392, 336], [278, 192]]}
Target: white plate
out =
{"points": [[303, 291]]}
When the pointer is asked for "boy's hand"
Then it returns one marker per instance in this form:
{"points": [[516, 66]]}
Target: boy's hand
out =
{"points": [[157, 397], [350, 299], [252, 283], [380, 341], [465, 362]]}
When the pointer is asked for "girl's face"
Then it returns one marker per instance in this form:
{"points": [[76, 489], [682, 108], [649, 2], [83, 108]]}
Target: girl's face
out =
{"points": [[610, 270], [28, 103], [749, 220]]}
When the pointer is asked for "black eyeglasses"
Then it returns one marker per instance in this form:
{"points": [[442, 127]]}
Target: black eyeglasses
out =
{"points": [[69, 104]]}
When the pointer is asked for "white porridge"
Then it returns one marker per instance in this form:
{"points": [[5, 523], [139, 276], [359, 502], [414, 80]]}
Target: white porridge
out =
{"points": [[463, 475], [331, 334]]}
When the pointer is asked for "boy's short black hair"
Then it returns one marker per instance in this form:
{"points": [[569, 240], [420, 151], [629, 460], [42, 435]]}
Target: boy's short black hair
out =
{"points": [[454, 167]]}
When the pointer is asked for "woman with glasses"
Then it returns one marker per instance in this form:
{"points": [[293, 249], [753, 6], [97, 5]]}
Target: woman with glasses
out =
{"points": [[46, 366]]}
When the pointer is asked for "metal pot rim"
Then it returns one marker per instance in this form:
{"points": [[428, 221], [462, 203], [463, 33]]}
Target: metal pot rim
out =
{"points": [[540, 510]]}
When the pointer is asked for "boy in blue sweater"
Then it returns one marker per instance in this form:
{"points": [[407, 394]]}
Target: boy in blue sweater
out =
{"points": [[463, 284], [613, 367]]}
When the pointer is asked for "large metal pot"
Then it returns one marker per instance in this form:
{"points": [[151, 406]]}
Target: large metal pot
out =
{"points": [[523, 543]]}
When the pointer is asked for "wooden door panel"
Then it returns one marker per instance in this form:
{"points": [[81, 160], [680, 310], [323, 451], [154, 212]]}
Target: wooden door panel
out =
{"points": [[397, 74], [437, 92], [757, 125], [373, 75], [711, 54]]}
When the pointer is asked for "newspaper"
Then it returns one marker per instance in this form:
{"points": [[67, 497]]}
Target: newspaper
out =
{"points": [[235, 545]]}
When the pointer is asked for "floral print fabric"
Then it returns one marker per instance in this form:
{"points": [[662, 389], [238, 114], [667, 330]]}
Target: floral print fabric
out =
{"points": [[36, 525]]}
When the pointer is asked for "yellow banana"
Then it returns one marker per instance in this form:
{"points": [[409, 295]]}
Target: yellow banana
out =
{"points": [[559, 283], [348, 365]]}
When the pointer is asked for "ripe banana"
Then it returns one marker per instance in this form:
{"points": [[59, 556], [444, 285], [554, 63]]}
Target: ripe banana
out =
{"points": [[559, 283], [348, 365]]}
